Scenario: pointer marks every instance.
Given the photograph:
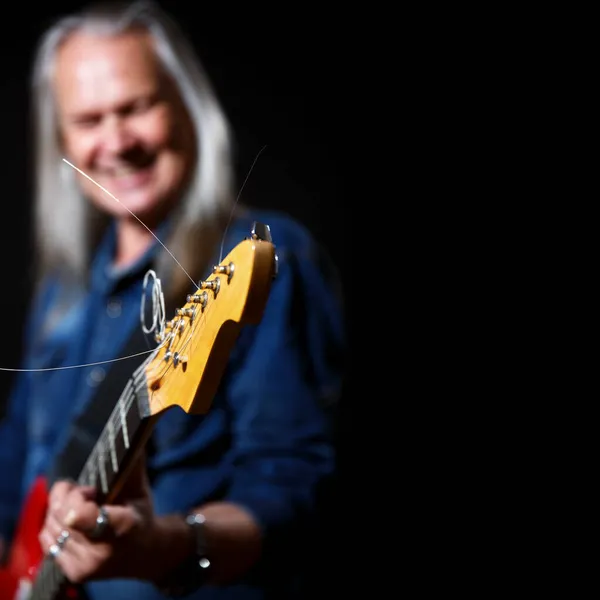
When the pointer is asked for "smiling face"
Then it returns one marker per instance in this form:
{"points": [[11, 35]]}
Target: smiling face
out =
{"points": [[123, 123]]}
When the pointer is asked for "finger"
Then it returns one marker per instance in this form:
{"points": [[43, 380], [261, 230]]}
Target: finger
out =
{"points": [[83, 517], [53, 525], [64, 497], [58, 494], [89, 492], [76, 558], [121, 520], [72, 542], [82, 514], [78, 507], [61, 511], [46, 538]]}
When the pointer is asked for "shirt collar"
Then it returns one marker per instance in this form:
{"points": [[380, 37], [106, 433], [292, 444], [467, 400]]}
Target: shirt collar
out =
{"points": [[104, 275]]}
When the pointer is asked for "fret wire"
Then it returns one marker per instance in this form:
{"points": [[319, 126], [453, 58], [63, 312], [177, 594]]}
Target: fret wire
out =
{"points": [[123, 423], [105, 435], [102, 470], [112, 449]]}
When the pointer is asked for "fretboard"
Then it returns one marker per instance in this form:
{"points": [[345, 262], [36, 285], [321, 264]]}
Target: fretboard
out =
{"points": [[117, 440], [122, 437]]}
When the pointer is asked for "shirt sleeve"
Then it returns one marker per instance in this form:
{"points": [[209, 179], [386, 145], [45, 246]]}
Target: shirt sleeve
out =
{"points": [[282, 395]]}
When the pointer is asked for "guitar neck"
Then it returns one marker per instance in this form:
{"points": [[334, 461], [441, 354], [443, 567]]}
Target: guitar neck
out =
{"points": [[121, 441]]}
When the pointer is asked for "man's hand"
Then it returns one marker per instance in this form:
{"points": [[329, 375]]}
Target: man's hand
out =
{"points": [[137, 543], [127, 547]]}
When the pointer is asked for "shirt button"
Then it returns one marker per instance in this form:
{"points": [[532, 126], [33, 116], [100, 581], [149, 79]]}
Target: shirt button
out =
{"points": [[96, 376], [113, 308]]}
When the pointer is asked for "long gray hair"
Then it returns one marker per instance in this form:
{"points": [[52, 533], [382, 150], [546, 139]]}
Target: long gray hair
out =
{"points": [[66, 225]]}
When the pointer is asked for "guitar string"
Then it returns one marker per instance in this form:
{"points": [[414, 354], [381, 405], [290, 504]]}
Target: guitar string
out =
{"points": [[134, 215], [92, 364], [236, 202]]}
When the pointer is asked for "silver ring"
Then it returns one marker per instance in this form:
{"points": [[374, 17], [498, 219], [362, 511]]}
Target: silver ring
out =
{"points": [[54, 550], [62, 538], [102, 522]]}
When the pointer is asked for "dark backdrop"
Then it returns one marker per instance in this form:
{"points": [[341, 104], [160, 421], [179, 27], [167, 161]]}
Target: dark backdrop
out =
{"points": [[283, 75]]}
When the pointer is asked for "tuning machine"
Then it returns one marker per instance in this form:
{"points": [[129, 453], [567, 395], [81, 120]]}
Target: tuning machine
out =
{"points": [[261, 231]]}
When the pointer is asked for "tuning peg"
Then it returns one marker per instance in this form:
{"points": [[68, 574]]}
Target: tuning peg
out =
{"points": [[201, 298], [214, 285], [261, 231], [224, 270], [179, 358]]}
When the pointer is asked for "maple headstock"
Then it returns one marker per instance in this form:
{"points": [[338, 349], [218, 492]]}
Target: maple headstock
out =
{"points": [[195, 346]]}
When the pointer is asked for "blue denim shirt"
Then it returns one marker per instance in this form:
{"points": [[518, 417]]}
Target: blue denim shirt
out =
{"points": [[266, 441]]}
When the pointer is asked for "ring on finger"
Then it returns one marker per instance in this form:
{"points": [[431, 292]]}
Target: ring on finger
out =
{"points": [[102, 523], [62, 538]]}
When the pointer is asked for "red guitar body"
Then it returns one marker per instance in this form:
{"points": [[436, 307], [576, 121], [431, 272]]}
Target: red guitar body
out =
{"points": [[25, 552], [25, 555]]}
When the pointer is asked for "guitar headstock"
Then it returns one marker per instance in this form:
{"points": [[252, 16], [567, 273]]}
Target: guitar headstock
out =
{"points": [[187, 366]]}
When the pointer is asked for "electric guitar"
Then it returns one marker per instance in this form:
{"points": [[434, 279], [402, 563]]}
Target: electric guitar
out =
{"points": [[184, 371]]}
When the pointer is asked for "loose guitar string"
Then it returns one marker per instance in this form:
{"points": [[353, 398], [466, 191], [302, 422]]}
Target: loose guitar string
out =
{"points": [[236, 201], [133, 215], [102, 362]]}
